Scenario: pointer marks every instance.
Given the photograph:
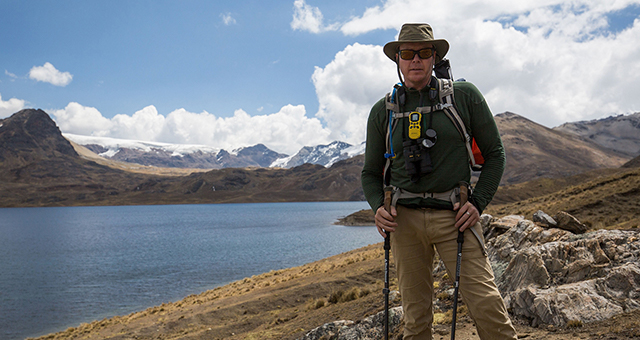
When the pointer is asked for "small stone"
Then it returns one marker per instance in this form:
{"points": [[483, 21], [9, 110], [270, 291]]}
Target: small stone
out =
{"points": [[544, 219], [570, 223]]}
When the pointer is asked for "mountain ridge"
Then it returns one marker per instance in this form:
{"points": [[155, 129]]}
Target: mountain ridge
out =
{"points": [[65, 178], [68, 179], [535, 151], [527, 144], [207, 157], [619, 133]]}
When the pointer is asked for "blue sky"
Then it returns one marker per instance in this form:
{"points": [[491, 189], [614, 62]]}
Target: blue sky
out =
{"points": [[304, 72]]}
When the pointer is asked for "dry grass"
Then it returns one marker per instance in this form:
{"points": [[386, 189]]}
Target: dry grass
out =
{"points": [[281, 304], [609, 201]]}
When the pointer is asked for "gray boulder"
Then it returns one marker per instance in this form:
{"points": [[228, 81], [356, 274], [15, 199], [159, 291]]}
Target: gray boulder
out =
{"points": [[570, 223], [368, 329], [544, 219], [553, 276]]}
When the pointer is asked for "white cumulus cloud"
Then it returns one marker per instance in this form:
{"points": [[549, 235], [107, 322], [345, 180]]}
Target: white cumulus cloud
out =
{"points": [[548, 60], [49, 74], [347, 87], [11, 106], [145, 124], [309, 18], [82, 120], [227, 19], [285, 131]]}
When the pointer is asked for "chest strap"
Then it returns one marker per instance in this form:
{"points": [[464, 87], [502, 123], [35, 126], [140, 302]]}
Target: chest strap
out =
{"points": [[421, 109]]}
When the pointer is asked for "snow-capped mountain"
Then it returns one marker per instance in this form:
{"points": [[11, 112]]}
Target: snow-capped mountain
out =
{"points": [[176, 155], [207, 157], [325, 155]]}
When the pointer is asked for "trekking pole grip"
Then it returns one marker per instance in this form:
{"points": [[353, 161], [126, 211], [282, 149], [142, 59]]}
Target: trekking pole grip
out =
{"points": [[464, 193], [388, 192], [387, 199]]}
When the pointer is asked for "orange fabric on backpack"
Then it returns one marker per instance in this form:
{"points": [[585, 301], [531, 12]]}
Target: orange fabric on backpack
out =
{"points": [[477, 155]]}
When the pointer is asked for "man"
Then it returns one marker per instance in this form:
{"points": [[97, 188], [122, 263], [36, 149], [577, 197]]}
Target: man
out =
{"points": [[419, 223]]}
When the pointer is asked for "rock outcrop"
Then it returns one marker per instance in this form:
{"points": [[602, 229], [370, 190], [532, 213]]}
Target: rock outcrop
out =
{"points": [[547, 275], [554, 276], [368, 329]]}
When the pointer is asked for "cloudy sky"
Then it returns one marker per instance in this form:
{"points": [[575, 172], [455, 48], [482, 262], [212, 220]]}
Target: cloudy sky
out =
{"points": [[305, 72]]}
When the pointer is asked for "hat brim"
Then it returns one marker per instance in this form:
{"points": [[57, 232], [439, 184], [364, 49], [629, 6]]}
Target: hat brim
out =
{"points": [[441, 45]]}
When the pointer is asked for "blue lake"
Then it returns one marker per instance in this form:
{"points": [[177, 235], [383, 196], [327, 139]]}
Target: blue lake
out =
{"points": [[60, 267]]}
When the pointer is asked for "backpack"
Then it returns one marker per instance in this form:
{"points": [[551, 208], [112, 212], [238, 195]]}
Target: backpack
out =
{"points": [[447, 104]]}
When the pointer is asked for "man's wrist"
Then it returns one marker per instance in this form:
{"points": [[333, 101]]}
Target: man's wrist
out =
{"points": [[475, 204]]}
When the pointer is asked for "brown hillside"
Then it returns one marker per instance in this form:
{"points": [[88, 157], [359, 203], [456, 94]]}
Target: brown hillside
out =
{"points": [[87, 154], [303, 183], [634, 163], [606, 201], [534, 151], [39, 167]]}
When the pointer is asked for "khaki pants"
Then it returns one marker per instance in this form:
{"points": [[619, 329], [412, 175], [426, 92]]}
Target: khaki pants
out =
{"points": [[418, 232]]}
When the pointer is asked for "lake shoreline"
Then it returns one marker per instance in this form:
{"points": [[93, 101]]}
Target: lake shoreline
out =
{"points": [[288, 303], [272, 297], [89, 262]]}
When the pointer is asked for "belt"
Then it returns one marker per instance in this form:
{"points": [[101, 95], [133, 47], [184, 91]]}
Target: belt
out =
{"points": [[452, 195]]}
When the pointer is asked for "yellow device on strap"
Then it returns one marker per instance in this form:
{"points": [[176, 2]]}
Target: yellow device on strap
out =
{"points": [[414, 125]]}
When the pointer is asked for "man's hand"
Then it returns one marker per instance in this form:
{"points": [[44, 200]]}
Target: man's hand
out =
{"points": [[386, 221], [466, 217]]}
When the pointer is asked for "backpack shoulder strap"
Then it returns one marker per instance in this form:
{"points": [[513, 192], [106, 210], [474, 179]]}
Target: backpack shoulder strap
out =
{"points": [[390, 103], [392, 108], [445, 90]]}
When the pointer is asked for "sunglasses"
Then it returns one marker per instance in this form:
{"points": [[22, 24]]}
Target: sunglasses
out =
{"points": [[424, 53]]}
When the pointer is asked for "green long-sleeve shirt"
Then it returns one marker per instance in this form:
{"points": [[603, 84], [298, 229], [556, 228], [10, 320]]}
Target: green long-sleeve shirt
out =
{"points": [[448, 155]]}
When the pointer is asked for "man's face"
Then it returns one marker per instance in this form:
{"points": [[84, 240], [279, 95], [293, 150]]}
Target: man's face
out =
{"points": [[416, 72]]}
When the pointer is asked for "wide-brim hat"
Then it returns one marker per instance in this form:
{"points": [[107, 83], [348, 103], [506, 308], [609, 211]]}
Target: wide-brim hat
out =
{"points": [[410, 33]]}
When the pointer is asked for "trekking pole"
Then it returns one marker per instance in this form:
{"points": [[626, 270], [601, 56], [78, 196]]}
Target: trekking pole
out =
{"points": [[387, 247], [464, 195]]}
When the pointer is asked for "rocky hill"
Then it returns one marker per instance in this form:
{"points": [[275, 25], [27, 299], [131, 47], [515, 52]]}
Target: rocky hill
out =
{"points": [[35, 152], [534, 151], [634, 163], [206, 157], [29, 137], [619, 133], [41, 168]]}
